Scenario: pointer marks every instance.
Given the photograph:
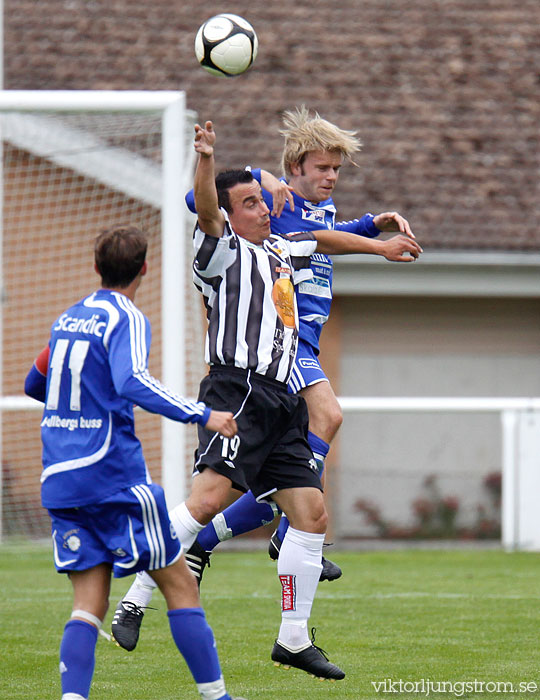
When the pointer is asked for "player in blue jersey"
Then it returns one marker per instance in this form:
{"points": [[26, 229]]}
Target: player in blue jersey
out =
{"points": [[313, 153], [107, 516]]}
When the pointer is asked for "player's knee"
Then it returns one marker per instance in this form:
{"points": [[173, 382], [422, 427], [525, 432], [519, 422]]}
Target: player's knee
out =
{"points": [[317, 520], [326, 420], [209, 504], [334, 418], [321, 522]]}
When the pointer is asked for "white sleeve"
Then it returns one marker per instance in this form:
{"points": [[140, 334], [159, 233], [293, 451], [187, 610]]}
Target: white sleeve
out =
{"points": [[213, 256]]}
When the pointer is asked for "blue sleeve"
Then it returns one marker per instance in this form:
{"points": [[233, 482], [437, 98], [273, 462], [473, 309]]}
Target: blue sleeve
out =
{"points": [[128, 356], [35, 384], [190, 201], [362, 227], [256, 172]]}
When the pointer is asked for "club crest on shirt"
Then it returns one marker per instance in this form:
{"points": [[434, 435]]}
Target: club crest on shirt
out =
{"points": [[274, 247], [283, 298]]}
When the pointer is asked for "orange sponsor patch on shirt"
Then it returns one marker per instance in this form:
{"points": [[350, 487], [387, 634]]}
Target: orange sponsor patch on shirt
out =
{"points": [[283, 298]]}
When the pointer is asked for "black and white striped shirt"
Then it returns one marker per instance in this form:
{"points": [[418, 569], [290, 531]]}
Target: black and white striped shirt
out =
{"points": [[249, 296]]}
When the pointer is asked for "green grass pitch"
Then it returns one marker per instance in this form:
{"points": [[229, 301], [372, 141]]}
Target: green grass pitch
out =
{"points": [[454, 616]]}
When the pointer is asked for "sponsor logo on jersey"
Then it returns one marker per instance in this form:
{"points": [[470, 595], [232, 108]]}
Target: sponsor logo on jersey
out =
{"points": [[55, 421], [87, 326], [283, 270], [279, 338], [317, 287], [306, 363], [323, 271], [283, 298], [288, 592], [118, 552], [315, 215], [229, 464]]}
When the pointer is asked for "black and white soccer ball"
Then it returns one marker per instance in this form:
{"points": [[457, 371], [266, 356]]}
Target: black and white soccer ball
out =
{"points": [[226, 45]]}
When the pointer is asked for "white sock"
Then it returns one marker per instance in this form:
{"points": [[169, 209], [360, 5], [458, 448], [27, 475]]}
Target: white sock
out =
{"points": [[141, 590], [299, 569], [187, 528]]}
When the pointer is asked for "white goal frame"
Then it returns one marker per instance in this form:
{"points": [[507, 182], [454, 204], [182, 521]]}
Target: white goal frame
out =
{"points": [[176, 169]]}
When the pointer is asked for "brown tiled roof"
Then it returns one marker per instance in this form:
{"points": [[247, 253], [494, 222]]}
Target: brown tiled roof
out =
{"points": [[444, 93]]}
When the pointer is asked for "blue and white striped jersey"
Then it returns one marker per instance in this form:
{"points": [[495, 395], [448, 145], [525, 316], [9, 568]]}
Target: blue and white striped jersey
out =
{"points": [[314, 296], [97, 370], [248, 290]]}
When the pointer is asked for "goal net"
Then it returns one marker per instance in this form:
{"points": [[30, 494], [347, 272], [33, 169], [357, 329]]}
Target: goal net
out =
{"points": [[72, 164]]}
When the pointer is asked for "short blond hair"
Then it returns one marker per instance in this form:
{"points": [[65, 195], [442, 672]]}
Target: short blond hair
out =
{"points": [[305, 133]]}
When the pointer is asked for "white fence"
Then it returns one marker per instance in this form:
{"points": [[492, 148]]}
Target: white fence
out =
{"points": [[520, 425]]}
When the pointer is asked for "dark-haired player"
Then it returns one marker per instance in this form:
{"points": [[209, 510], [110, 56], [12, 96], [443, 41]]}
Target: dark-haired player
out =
{"points": [[107, 516], [247, 277]]}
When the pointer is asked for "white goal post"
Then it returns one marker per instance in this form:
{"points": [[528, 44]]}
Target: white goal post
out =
{"points": [[74, 162]]}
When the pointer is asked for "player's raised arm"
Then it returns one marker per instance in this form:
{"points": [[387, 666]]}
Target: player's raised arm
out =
{"points": [[210, 218], [399, 248]]}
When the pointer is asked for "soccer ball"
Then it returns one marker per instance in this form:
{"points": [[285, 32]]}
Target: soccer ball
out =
{"points": [[226, 45]]}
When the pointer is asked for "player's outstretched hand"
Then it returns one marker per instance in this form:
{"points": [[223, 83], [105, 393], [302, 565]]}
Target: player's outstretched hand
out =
{"points": [[392, 221], [280, 191], [222, 422], [401, 249], [205, 139]]}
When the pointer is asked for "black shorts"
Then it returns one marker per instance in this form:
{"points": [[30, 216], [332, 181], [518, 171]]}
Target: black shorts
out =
{"points": [[270, 452]]}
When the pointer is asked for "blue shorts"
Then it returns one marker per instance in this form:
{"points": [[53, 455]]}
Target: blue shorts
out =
{"points": [[307, 369], [131, 531]]}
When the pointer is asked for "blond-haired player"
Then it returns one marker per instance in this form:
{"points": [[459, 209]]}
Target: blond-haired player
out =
{"points": [[313, 152]]}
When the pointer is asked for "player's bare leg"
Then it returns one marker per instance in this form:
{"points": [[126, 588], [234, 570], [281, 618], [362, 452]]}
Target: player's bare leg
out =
{"points": [[325, 415], [210, 493], [325, 418]]}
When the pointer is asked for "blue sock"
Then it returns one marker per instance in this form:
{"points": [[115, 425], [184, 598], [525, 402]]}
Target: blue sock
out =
{"points": [[194, 639], [77, 657], [282, 527], [243, 515], [320, 449]]}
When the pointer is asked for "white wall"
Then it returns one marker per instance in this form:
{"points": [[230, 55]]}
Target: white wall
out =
{"points": [[410, 346]]}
